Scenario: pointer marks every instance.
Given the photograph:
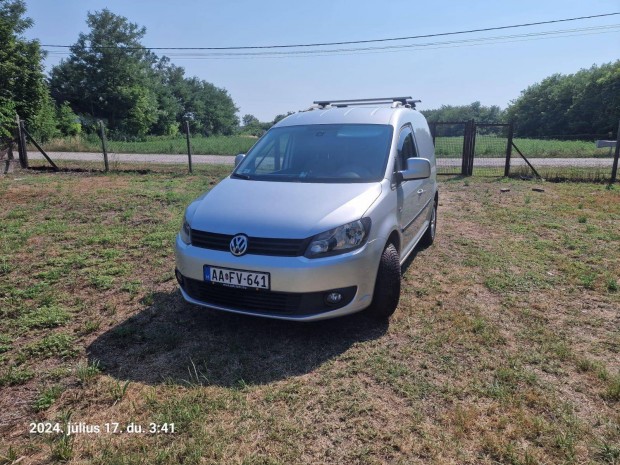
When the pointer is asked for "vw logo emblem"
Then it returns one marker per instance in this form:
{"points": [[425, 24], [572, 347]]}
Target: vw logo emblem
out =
{"points": [[239, 245]]}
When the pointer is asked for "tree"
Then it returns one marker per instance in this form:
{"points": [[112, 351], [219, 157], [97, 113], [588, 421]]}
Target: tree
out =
{"points": [[475, 110], [253, 127], [111, 76], [68, 122], [249, 120], [108, 74], [280, 117], [213, 109], [166, 78], [584, 103], [22, 84], [44, 125]]}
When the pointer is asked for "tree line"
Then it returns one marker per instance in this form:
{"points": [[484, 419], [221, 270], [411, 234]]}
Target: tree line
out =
{"points": [[111, 76], [585, 103], [108, 76]]}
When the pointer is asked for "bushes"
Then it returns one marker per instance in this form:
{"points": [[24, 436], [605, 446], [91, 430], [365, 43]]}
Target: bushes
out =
{"points": [[53, 121], [68, 122]]}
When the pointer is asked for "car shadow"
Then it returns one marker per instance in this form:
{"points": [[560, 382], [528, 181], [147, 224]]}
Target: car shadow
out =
{"points": [[174, 342], [412, 256]]}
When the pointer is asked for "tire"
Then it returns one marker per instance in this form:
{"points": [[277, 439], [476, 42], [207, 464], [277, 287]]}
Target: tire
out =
{"points": [[429, 235], [387, 286]]}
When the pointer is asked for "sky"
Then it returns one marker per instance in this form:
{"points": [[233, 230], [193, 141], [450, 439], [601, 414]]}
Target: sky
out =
{"points": [[447, 74]]}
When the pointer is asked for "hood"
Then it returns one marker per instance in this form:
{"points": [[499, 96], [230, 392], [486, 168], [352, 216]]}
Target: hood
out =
{"points": [[288, 210]]}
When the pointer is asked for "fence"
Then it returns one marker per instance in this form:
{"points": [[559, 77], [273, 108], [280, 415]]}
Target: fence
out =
{"points": [[462, 148], [571, 157], [103, 150], [468, 148], [7, 159]]}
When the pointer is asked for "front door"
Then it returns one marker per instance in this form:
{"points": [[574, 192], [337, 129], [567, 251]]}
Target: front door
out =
{"points": [[412, 195]]}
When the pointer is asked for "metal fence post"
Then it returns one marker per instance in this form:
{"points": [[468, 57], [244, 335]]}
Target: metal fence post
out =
{"points": [[614, 168], [465, 156], [189, 150], [469, 147], [509, 149], [433, 128], [104, 146], [472, 148]]}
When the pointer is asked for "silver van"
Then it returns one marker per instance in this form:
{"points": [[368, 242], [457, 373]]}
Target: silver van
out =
{"points": [[317, 219]]}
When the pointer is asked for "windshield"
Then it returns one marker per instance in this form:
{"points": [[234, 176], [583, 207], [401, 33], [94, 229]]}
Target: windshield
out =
{"points": [[319, 153]]}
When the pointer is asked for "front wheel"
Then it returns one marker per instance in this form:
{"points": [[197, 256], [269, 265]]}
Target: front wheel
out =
{"points": [[387, 285]]}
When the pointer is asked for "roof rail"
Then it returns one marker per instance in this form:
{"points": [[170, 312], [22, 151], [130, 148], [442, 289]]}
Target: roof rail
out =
{"points": [[366, 101]]}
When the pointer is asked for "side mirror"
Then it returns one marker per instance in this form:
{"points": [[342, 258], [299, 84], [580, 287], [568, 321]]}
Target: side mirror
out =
{"points": [[238, 159], [417, 168]]}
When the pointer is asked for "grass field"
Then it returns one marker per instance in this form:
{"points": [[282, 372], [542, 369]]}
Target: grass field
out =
{"points": [[214, 145], [505, 347], [490, 146], [486, 146]]}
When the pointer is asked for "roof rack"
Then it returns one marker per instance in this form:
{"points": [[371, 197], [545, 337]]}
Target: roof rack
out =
{"points": [[366, 101]]}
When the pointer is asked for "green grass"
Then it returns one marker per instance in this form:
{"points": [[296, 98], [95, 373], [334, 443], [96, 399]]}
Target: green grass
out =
{"points": [[491, 146], [213, 145], [47, 397], [504, 348], [60, 344]]}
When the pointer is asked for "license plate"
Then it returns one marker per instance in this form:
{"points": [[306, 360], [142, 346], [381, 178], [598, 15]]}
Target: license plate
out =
{"points": [[237, 278]]}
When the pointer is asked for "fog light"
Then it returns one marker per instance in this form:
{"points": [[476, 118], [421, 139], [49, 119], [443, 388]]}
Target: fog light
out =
{"points": [[179, 277], [333, 298]]}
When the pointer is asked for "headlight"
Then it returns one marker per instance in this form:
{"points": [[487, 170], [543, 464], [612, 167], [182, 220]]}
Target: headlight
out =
{"points": [[339, 240], [186, 232]]}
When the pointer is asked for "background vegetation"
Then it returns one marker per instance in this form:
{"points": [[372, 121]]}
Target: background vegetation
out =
{"points": [[111, 76], [584, 103], [22, 85], [477, 111]]}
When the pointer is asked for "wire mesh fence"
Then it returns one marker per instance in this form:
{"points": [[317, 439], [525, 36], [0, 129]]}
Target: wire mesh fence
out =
{"points": [[86, 151], [575, 157], [462, 148], [449, 139], [491, 148]]}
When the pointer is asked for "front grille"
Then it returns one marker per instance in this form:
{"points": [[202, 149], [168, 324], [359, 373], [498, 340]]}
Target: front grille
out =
{"points": [[256, 245], [261, 301]]}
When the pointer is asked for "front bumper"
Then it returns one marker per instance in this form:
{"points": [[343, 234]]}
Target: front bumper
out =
{"points": [[306, 278]]}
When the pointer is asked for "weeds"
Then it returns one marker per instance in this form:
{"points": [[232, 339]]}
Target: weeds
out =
{"points": [[60, 344], [61, 445], [612, 392], [609, 453], [47, 397], [87, 371], [118, 390], [10, 457], [197, 376], [15, 375]]}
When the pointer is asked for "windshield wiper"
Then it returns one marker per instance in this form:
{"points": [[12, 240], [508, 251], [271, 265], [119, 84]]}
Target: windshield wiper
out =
{"points": [[241, 176]]}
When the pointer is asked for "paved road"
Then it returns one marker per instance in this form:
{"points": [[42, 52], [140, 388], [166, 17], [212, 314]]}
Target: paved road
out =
{"points": [[230, 160]]}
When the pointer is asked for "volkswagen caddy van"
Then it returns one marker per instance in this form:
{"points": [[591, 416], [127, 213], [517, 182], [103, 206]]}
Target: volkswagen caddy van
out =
{"points": [[316, 220]]}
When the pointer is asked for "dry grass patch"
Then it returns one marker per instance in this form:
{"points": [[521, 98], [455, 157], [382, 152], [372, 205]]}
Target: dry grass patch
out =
{"points": [[505, 347]]}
